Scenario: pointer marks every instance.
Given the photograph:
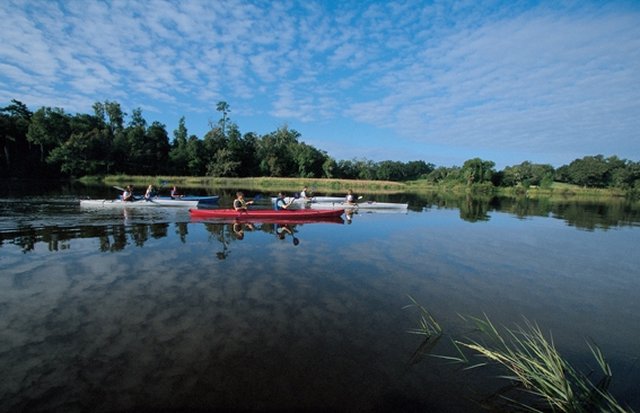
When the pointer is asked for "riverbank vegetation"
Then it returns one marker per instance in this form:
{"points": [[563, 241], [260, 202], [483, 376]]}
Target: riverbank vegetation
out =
{"points": [[54, 144]]}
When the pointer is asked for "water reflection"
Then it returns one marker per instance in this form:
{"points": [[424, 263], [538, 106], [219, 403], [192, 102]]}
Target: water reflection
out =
{"points": [[228, 233], [111, 312], [124, 227], [116, 237], [586, 214]]}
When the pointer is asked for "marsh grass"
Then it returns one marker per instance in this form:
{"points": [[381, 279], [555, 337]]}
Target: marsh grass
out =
{"points": [[540, 379], [534, 363], [257, 183], [428, 327], [557, 190]]}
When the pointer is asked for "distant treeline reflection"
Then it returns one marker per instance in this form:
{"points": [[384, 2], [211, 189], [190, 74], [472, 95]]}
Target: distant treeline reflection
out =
{"points": [[582, 214]]}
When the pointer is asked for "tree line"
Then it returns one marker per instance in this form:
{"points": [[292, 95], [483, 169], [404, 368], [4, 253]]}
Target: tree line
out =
{"points": [[50, 142]]}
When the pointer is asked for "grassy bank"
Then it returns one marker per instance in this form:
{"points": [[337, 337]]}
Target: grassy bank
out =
{"points": [[556, 190], [255, 183]]}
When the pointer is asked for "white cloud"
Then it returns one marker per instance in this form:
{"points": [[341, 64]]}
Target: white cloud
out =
{"points": [[544, 78]]}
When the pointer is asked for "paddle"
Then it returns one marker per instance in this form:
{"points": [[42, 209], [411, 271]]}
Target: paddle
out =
{"points": [[123, 190], [135, 198]]}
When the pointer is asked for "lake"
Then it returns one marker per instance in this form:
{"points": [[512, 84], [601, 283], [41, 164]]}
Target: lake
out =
{"points": [[147, 310]]}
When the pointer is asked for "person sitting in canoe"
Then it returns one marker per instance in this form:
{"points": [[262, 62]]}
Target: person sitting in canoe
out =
{"points": [[350, 199], [127, 194], [239, 204], [303, 194], [150, 193], [281, 204], [175, 193]]}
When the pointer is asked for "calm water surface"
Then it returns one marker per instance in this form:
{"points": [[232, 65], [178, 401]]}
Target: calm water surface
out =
{"points": [[147, 310]]}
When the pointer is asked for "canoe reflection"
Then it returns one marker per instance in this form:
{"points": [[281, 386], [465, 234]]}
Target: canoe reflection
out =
{"points": [[280, 230], [116, 237], [269, 220], [227, 233]]}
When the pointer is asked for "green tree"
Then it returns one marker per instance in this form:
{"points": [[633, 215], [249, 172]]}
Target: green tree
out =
{"points": [[590, 171], [196, 156], [346, 169], [223, 107], [14, 125], [443, 174], [275, 153], [527, 174], [367, 169], [329, 167], [223, 164], [87, 151], [417, 169], [178, 153], [309, 160], [156, 149], [248, 154], [82, 154], [49, 128], [477, 171]]}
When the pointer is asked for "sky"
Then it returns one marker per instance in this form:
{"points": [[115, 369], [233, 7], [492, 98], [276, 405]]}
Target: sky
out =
{"points": [[438, 81]]}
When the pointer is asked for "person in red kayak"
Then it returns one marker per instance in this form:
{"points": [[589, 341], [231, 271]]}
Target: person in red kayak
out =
{"points": [[281, 204], [239, 204]]}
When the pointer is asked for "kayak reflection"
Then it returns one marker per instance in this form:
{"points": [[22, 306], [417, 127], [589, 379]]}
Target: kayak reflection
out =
{"points": [[280, 230], [239, 228], [226, 233]]}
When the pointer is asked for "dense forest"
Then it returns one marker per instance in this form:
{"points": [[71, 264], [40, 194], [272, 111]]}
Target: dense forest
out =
{"points": [[54, 144]]}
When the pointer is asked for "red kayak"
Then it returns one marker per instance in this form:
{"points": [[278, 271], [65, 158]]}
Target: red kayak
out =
{"points": [[270, 215]]}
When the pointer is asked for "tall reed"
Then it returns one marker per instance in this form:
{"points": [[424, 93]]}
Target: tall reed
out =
{"points": [[533, 363]]}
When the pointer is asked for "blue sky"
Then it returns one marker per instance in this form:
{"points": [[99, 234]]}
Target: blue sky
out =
{"points": [[443, 82]]}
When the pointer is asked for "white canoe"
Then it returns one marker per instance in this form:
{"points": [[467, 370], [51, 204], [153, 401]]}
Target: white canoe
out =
{"points": [[328, 198], [201, 200], [359, 205], [154, 203], [312, 199], [300, 203]]}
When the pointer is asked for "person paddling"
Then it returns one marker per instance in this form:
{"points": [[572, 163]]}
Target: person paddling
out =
{"points": [[149, 193], [350, 199], [127, 194], [239, 204], [281, 204], [175, 193]]}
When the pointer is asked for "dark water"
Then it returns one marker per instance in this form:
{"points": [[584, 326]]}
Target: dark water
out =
{"points": [[146, 310]]}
